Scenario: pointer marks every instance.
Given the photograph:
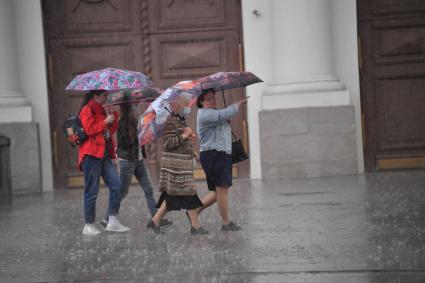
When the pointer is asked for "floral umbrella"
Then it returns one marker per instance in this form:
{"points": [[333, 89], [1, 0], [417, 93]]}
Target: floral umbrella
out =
{"points": [[109, 79], [153, 120], [185, 93]]}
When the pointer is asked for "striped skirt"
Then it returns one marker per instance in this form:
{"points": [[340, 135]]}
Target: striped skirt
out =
{"points": [[176, 176]]}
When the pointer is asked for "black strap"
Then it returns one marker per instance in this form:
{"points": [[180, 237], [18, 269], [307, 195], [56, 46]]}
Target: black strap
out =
{"points": [[180, 118], [144, 152]]}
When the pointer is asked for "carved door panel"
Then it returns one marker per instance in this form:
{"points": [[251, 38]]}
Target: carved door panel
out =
{"points": [[192, 39], [392, 37]]}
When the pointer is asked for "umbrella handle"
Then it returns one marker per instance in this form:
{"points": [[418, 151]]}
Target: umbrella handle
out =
{"points": [[224, 99]]}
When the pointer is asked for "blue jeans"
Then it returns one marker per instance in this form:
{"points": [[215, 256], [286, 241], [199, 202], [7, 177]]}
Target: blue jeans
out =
{"points": [[140, 171], [93, 169]]}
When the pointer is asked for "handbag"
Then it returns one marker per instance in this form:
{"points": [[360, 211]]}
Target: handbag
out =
{"points": [[238, 150]]}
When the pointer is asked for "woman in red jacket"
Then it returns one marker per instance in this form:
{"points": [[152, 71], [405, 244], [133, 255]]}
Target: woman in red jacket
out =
{"points": [[94, 159]]}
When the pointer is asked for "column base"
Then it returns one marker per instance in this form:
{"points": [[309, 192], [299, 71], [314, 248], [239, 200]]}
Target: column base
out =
{"points": [[308, 142], [25, 156]]}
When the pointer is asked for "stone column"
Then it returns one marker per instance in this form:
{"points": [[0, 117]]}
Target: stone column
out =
{"points": [[307, 125], [14, 107], [302, 61]]}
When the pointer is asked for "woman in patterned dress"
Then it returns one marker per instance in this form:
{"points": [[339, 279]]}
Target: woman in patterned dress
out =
{"points": [[176, 175]]}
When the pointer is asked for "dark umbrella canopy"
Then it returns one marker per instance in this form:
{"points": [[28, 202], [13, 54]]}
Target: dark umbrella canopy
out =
{"points": [[136, 95], [228, 80]]}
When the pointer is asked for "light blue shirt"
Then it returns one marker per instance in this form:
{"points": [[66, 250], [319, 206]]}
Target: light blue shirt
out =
{"points": [[213, 128]]}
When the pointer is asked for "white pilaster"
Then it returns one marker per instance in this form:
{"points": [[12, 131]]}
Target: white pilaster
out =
{"points": [[302, 64], [33, 76], [14, 107], [256, 36]]}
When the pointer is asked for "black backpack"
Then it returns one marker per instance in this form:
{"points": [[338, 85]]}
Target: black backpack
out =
{"points": [[73, 130]]}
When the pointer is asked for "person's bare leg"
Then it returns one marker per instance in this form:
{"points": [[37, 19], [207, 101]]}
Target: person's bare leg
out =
{"points": [[207, 201], [160, 214], [194, 219], [223, 203]]}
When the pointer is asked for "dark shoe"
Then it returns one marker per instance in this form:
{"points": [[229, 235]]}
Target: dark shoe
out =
{"points": [[165, 223], [104, 222], [155, 228], [188, 217], [230, 227], [198, 231]]}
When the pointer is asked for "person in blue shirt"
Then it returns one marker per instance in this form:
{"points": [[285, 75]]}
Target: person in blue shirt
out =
{"points": [[216, 152]]}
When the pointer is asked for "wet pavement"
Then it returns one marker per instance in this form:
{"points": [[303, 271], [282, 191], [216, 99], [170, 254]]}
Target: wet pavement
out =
{"points": [[339, 229]]}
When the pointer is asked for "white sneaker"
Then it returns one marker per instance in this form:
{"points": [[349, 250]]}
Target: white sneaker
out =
{"points": [[90, 230], [115, 226]]}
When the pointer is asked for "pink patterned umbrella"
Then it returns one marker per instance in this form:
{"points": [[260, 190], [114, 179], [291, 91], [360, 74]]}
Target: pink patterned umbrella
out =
{"points": [[185, 93], [153, 119], [109, 79]]}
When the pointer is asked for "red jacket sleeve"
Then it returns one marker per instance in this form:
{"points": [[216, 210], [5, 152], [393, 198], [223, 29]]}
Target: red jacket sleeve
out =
{"points": [[90, 126]]}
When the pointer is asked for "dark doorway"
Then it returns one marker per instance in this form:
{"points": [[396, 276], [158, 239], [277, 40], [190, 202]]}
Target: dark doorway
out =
{"points": [[392, 53]]}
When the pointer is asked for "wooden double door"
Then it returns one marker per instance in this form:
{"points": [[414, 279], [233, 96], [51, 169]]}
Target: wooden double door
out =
{"points": [[392, 74], [169, 40]]}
